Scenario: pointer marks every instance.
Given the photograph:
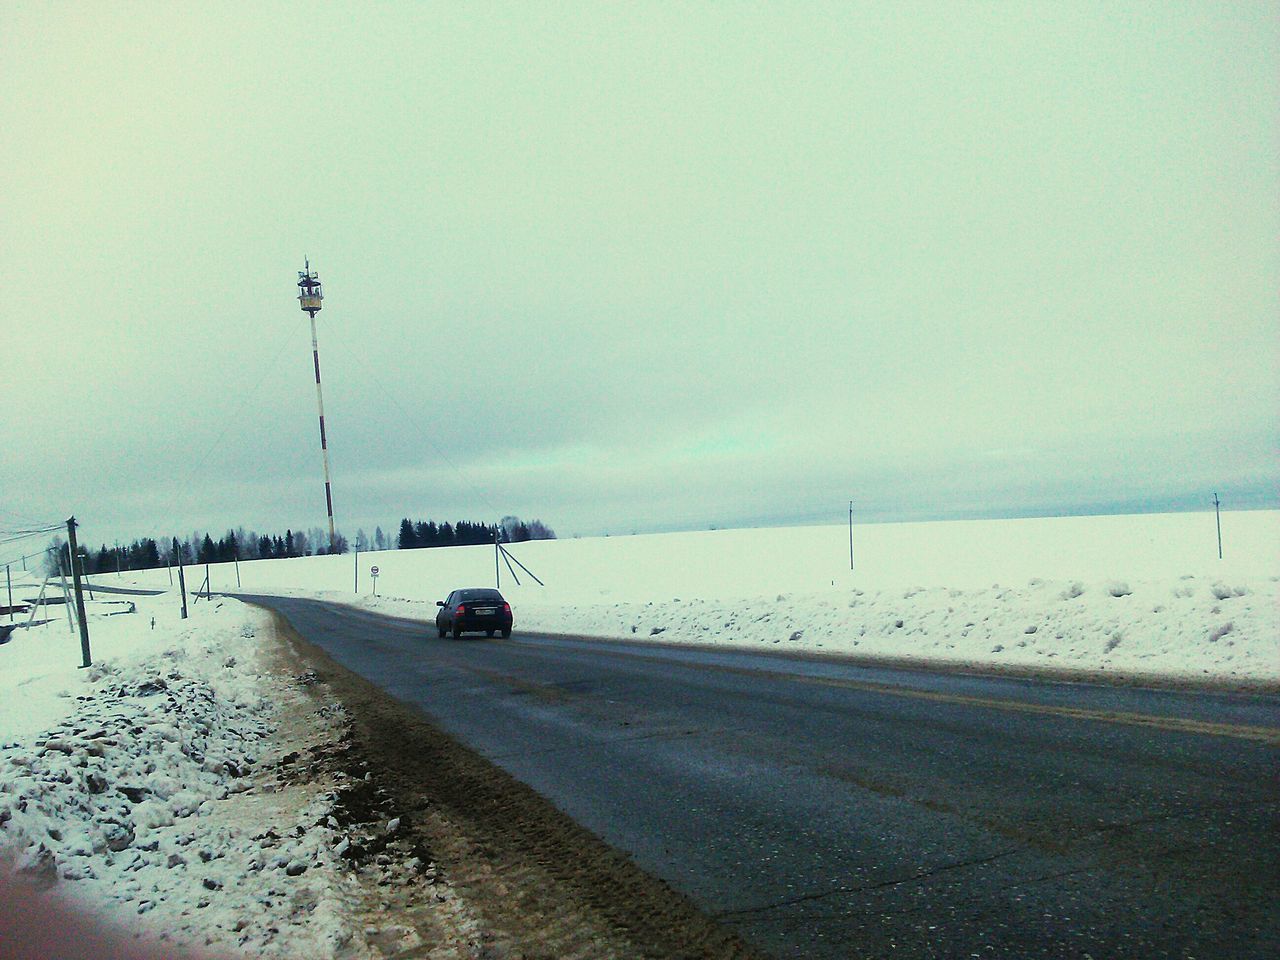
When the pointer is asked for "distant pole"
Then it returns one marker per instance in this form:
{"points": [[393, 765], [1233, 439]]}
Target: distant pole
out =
{"points": [[87, 660], [357, 589], [237, 559], [170, 566], [85, 577], [497, 553], [310, 297], [1217, 514], [182, 583], [850, 534], [9, 583]]}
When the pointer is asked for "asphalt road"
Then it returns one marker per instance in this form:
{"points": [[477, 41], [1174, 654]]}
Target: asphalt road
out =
{"points": [[824, 809]]}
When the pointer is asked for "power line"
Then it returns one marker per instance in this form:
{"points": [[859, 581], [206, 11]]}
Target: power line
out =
{"points": [[22, 558], [185, 487], [18, 520], [13, 536], [410, 421]]}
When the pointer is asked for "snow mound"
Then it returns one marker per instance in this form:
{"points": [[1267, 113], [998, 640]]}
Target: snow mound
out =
{"points": [[148, 802]]}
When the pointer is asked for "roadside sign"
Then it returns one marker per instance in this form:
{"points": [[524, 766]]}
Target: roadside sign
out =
{"points": [[374, 571]]}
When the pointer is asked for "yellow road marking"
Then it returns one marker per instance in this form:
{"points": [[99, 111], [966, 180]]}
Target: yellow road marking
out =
{"points": [[1235, 731], [1268, 735]]}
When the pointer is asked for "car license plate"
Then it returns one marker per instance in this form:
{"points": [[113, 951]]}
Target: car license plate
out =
{"points": [[484, 611]]}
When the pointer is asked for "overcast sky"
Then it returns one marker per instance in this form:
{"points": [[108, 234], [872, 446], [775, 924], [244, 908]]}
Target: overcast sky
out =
{"points": [[636, 267]]}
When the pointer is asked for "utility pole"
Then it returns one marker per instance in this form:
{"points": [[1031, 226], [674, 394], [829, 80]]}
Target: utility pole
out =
{"points": [[1217, 514], [75, 579], [9, 583], [850, 534], [310, 297]]}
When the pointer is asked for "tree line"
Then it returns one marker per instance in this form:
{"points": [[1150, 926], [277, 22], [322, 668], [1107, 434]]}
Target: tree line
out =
{"points": [[427, 533], [241, 544]]}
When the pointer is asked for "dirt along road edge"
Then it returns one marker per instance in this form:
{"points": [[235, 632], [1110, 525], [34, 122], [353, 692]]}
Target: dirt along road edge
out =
{"points": [[525, 880]]}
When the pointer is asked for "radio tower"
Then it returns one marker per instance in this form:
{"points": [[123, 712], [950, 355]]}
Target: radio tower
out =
{"points": [[310, 295]]}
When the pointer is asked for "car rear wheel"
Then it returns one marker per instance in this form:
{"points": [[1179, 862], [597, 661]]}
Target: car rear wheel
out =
{"points": [[506, 632], [457, 632], [488, 633], [441, 632]]}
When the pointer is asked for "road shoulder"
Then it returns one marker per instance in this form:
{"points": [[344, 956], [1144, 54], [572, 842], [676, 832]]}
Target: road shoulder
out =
{"points": [[534, 883]]}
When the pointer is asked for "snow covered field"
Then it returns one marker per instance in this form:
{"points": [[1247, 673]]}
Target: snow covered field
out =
{"points": [[1136, 595]]}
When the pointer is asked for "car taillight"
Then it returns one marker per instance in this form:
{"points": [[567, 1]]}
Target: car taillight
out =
{"points": [[461, 609], [506, 608]]}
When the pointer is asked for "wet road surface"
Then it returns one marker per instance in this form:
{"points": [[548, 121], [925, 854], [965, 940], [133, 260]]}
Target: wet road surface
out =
{"points": [[823, 809]]}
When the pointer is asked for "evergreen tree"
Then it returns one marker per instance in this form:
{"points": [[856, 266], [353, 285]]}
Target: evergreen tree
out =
{"points": [[148, 555], [408, 536]]}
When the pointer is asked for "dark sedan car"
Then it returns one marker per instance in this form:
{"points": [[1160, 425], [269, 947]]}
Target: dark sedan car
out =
{"points": [[474, 609]]}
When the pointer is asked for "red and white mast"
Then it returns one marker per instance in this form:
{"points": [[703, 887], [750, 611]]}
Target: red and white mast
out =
{"points": [[309, 298]]}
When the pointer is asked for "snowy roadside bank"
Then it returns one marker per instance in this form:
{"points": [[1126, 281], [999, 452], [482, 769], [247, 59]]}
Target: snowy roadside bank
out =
{"points": [[172, 789], [1142, 596], [1185, 629]]}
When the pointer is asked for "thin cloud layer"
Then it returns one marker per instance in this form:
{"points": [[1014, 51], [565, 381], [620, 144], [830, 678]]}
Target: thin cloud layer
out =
{"points": [[638, 269]]}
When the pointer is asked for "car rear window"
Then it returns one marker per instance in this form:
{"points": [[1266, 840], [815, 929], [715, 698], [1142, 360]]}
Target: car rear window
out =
{"points": [[480, 595]]}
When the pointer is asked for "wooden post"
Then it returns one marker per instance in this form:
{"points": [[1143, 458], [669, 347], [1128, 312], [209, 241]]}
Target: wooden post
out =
{"points": [[75, 578], [87, 585], [9, 582], [1218, 516], [66, 597], [39, 603], [182, 582]]}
